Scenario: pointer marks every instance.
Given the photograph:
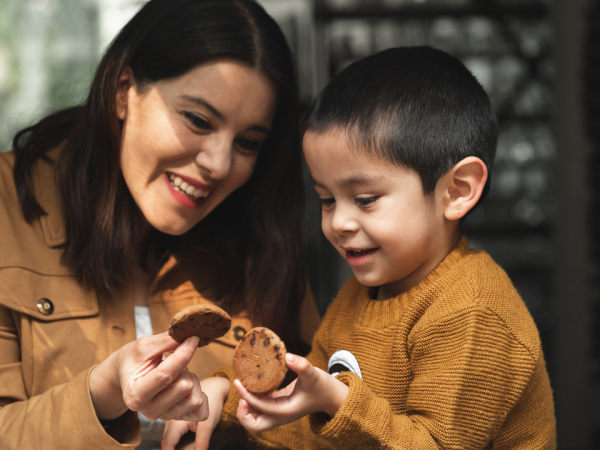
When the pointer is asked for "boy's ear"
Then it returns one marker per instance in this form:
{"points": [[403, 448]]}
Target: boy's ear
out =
{"points": [[123, 85], [463, 186]]}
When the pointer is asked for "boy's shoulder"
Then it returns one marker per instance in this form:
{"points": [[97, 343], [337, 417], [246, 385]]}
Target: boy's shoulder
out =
{"points": [[477, 285]]}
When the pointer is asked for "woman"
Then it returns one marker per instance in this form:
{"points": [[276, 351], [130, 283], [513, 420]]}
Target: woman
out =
{"points": [[177, 182]]}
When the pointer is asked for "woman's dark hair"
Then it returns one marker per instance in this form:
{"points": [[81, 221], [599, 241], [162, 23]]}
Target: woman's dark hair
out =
{"points": [[416, 107], [257, 231]]}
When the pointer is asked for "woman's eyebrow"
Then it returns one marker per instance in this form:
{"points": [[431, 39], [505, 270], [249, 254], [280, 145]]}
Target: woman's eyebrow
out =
{"points": [[219, 114], [259, 129], [202, 102]]}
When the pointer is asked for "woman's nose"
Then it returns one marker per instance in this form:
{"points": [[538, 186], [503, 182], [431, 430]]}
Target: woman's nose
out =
{"points": [[216, 155]]}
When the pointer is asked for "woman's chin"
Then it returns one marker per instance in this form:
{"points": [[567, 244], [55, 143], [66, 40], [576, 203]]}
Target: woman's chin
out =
{"points": [[173, 228]]}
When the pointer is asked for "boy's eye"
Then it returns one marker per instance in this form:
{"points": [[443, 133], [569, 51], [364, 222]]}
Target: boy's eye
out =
{"points": [[248, 144], [364, 201], [197, 121], [327, 201]]}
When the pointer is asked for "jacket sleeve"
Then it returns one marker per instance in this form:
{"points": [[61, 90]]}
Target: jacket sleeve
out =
{"points": [[468, 373], [62, 417]]}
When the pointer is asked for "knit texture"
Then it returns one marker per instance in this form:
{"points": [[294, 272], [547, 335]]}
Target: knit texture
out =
{"points": [[453, 363]]}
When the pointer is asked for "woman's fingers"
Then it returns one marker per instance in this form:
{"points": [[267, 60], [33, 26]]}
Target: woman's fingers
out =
{"points": [[156, 375], [177, 399], [197, 414]]}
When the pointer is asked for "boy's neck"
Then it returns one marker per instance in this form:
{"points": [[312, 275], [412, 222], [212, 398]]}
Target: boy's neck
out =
{"points": [[393, 289]]}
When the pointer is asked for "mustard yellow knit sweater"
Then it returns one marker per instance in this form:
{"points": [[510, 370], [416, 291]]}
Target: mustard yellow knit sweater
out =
{"points": [[454, 363]]}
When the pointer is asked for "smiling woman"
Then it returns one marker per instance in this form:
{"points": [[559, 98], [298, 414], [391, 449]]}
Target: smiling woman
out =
{"points": [[189, 142], [177, 182]]}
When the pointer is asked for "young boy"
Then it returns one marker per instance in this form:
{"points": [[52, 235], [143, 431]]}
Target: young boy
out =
{"points": [[429, 344]]}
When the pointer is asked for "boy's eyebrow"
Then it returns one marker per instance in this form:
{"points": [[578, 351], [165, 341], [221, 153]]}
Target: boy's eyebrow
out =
{"points": [[359, 178]]}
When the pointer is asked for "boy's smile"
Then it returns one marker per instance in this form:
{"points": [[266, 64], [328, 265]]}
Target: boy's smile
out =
{"points": [[376, 215]]}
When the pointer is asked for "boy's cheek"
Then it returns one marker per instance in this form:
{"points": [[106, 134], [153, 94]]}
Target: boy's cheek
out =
{"points": [[330, 235]]}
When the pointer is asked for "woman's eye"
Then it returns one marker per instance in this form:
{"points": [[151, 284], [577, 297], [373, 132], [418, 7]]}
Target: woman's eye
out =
{"points": [[364, 201], [249, 144], [197, 121], [327, 201]]}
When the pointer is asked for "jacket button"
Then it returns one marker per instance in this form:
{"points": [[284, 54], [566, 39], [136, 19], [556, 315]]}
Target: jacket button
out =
{"points": [[45, 306], [239, 333]]}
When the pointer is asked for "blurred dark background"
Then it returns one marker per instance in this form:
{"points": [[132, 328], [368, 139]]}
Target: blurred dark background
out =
{"points": [[539, 61]]}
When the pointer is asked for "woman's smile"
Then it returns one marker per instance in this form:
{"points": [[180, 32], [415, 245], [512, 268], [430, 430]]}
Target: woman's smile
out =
{"points": [[186, 192]]}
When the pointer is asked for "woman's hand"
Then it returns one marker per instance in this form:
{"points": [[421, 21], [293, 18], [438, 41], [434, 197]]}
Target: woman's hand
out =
{"points": [[217, 391], [313, 391], [136, 377]]}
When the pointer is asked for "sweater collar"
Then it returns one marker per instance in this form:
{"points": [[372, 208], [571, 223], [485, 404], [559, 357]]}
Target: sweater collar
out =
{"points": [[443, 270], [383, 313]]}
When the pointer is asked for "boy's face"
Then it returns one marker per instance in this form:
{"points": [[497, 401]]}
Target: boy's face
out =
{"points": [[376, 215]]}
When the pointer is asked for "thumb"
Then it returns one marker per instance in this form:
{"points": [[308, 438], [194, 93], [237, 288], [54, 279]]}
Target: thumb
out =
{"points": [[299, 365]]}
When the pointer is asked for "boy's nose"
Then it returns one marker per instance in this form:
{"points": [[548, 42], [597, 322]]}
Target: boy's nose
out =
{"points": [[342, 222], [216, 156]]}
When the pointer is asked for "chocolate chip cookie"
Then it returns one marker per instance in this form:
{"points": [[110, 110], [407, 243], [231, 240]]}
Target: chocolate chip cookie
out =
{"points": [[208, 322], [259, 361]]}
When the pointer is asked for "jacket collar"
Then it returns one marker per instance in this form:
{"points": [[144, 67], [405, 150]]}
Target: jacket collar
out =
{"points": [[46, 193]]}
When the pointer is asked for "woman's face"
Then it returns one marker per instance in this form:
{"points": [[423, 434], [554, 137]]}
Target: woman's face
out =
{"points": [[189, 142]]}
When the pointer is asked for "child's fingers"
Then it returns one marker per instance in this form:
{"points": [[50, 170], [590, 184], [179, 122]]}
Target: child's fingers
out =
{"points": [[204, 431], [253, 420], [172, 434], [299, 365], [285, 392], [255, 401], [245, 415], [279, 407]]}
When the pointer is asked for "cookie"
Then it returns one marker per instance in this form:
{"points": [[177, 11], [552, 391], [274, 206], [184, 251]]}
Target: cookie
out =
{"points": [[259, 361], [208, 322]]}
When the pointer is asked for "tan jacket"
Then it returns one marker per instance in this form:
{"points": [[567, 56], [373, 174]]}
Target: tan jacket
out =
{"points": [[53, 331]]}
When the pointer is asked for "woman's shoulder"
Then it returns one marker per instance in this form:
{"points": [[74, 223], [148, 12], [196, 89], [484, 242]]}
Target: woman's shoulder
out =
{"points": [[7, 184], [34, 245], [9, 203]]}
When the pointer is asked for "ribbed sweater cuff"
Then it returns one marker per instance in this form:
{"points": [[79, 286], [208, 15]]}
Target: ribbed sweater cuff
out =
{"points": [[340, 428], [127, 430]]}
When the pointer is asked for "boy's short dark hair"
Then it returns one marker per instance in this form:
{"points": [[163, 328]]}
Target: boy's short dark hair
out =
{"points": [[416, 107]]}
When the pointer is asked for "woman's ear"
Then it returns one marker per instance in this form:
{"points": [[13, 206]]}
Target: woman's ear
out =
{"points": [[463, 186], [123, 86]]}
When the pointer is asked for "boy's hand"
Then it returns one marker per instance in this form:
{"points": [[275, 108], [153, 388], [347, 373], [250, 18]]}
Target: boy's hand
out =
{"points": [[313, 391], [217, 391]]}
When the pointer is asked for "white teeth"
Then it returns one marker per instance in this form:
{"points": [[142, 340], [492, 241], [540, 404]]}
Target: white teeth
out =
{"points": [[184, 188]]}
